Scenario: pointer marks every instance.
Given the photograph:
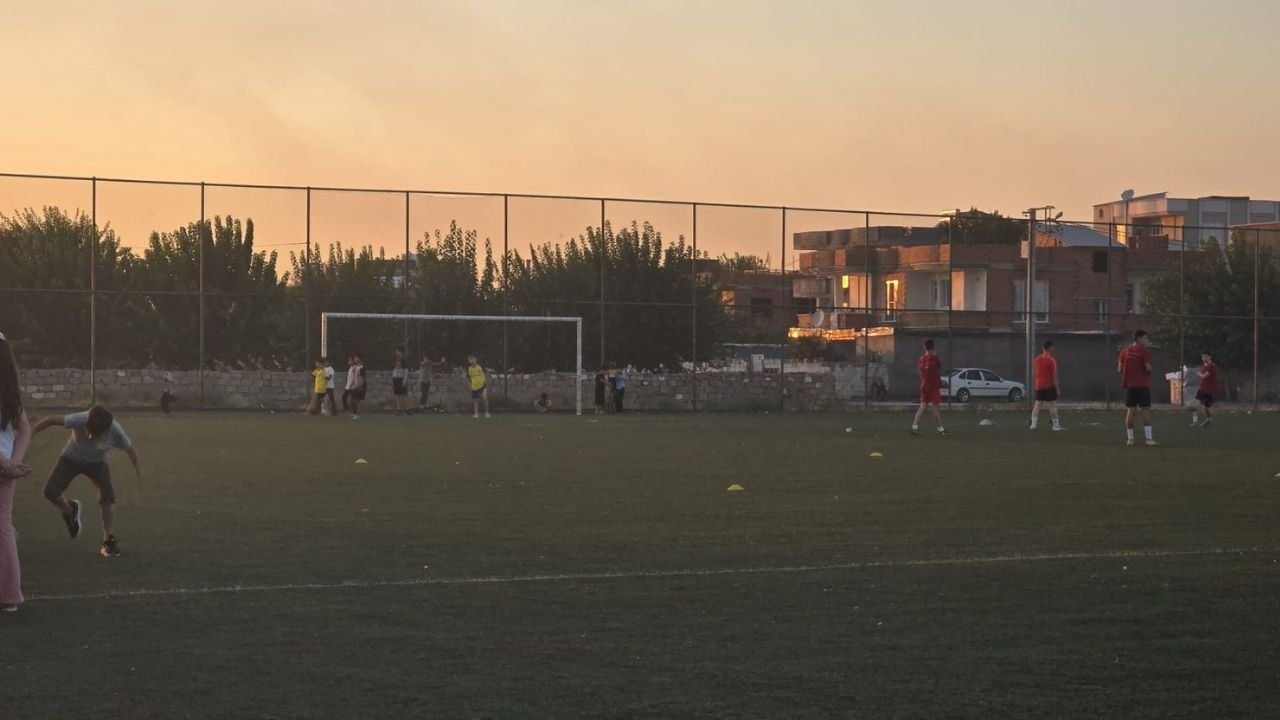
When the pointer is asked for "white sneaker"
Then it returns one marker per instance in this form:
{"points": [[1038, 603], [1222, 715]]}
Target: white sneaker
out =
{"points": [[475, 416], [1058, 428], [487, 416]]}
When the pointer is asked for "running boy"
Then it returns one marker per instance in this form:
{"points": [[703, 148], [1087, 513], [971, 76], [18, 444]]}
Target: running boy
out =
{"points": [[478, 383], [1208, 389], [93, 434], [930, 366], [1046, 376], [1134, 366]]}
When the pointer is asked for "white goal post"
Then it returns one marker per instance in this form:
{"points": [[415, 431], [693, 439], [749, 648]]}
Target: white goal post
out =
{"points": [[577, 321]]}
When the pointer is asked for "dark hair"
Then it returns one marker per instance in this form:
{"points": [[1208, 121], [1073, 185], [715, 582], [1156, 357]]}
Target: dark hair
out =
{"points": [[1048, 344], [1206, 353], [1138, 335], [10, 398], [100, 420], [928, 344]]}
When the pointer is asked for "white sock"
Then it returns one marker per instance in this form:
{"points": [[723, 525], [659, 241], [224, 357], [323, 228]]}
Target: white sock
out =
{"points": [[1056, 424], [1195, 418], [1146, 430], [1129, 432], [1034, 420], [914, 426]]}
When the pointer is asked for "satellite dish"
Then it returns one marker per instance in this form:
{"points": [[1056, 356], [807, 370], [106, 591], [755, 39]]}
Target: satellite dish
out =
{"points": [[1127, 195], [817, 318]]}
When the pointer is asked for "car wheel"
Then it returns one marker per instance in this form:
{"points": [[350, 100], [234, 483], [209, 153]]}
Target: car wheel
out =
{"points": [[962, 395], [1015, 395]]}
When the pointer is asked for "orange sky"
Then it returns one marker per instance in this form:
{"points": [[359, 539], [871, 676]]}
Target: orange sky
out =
{"points": [[906, 106]]}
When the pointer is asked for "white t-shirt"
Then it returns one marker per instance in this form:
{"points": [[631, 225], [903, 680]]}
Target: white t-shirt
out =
{"points": [[328, 376]]}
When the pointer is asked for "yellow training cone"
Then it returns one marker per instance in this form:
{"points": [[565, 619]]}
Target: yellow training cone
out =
{"points": [[735, 488], [876, 455], [362, 461]]}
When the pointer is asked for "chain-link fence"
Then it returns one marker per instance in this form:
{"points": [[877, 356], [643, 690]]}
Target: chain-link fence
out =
{"points": [[119, 289]]}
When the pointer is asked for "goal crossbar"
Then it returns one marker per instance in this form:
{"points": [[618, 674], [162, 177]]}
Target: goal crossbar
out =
{"points": [[577, 321]]}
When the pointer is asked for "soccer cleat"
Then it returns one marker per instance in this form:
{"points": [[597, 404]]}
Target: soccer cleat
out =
{"points": [[8, 608], [1206, 422], [1194, 424], [1152, 443], [1058, 428], [915, 431], [73, 520], [1129, 442], [110, 548], [487, 416]]}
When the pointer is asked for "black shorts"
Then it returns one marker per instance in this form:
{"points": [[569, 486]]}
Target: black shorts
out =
{"points": [[67, 470], [477, 394], [1206, 399], [1137, 397], [1049, 394], [397, 386], [358, 393]]}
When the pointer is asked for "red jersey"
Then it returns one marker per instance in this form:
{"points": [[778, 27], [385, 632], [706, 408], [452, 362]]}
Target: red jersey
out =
{"points": [[1133, 366], [1209, 383], [930, 372], [1046, 369]]}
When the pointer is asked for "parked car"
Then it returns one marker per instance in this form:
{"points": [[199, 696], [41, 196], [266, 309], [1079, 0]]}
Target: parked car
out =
{"points": [[965, 383]]}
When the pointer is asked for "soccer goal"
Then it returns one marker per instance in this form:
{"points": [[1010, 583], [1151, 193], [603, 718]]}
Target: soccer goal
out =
{"points": [[398, 317]]}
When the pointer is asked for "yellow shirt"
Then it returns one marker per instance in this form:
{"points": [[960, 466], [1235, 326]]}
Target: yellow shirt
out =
{"points": [[475, 374], [321, 382]]}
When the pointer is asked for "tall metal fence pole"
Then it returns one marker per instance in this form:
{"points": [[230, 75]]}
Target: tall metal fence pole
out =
{"points": [[866, 300], [200, 289], [1109, 329], [408, 292], [602, 255], [93, 294], [306, 289], [506, 306], [1257, 256], [693, 348], [782, 358]]}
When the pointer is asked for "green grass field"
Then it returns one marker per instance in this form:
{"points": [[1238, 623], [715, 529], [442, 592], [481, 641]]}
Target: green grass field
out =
{"points": [[573, 567]]}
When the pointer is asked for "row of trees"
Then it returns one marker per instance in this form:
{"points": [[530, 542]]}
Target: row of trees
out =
{"points": [[258, 315]]}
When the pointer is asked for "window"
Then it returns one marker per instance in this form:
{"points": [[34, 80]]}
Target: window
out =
{"points": [[1133, 298], [988, 376], [1041, 301], [973, 375], [1099, 213], [1101, 261], [1101, 310], [891, 300], [940, 293], [762, 307]]}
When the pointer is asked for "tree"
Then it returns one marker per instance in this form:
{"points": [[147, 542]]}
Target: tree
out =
{"points": [[1216, 287], [45, 265], [648, 287], [973, 227], [745, 263], [244, 298]]}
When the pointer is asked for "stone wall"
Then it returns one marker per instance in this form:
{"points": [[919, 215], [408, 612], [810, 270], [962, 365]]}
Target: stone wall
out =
{"points": [[66, 388]]}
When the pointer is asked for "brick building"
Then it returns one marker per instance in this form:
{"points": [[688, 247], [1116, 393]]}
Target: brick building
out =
{"points": [[883, 289]]}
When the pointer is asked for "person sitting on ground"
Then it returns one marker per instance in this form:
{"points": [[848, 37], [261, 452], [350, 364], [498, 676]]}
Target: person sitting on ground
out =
{"points": [[542, 405]]}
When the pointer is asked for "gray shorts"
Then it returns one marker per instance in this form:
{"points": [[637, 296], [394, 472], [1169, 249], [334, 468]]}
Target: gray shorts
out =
{"points": [[67, 470]]}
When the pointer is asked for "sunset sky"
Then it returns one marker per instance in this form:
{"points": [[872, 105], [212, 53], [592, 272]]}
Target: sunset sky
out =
{"points": [[905, 106]]}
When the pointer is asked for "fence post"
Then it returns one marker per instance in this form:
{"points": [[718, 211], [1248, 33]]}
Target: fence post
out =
{"points": [[93, 294], [867, 294], [200, 290], [782, 358], [306, 289], [602, 253], [1257, 255], [693, 276]]}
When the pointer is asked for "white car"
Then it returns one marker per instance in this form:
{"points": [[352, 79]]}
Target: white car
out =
{"points": [[966, 383]]}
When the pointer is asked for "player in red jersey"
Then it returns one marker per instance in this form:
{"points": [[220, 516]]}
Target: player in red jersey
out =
{"points": [[1208, 389], [930, 366], [1134, 366], [1046, 378]]}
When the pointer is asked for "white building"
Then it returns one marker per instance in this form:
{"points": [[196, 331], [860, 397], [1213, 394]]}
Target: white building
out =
{"points": [[1183, 220]]}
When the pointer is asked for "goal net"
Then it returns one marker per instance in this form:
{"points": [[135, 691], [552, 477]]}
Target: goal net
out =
{"points": [[530, 352]]}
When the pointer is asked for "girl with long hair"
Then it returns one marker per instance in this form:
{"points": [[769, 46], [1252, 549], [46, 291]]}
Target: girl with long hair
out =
{"points": [[15, 437]]}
